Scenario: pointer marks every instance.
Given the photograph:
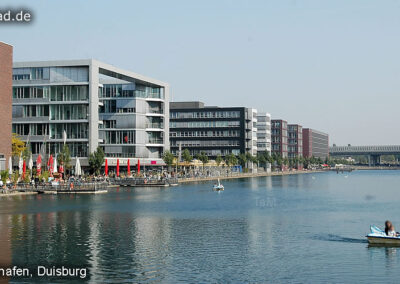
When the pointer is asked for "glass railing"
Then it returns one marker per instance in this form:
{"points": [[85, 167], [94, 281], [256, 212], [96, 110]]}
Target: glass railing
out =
{"points": [[154, 125], [155, 141]]}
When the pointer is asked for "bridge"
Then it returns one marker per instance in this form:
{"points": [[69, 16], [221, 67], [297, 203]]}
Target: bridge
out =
{"points": [[374, 153]]}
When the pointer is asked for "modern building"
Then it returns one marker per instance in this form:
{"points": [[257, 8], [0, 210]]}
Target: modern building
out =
{"points": [[96, 104], [212, 130], [263, 132], [6, 55], [279, 137], [295, 141], [315, 143]]}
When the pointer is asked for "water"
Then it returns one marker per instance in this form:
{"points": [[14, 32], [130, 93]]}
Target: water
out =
{"points": [[293, 229]]}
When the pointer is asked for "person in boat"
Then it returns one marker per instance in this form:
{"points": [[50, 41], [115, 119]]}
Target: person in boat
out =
{"points": [[389, 229]]}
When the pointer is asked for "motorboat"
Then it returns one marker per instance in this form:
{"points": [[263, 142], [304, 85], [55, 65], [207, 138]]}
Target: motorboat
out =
{"points": [[379, 237], [218, 186]]}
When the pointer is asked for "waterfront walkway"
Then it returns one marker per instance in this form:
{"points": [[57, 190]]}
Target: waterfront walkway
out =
{"points": [[246, 175]]}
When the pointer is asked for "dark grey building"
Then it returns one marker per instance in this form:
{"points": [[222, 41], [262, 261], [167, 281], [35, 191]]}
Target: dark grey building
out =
{"points": [[315, 143], [213, 130]]}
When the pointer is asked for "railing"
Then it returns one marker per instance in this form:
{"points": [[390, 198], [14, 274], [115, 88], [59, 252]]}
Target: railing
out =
{"points": [[144, 181], [158, 111], [63, 187], [155, 141], [154, 125]]}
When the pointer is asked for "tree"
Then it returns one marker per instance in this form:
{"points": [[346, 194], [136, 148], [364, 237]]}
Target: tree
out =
{"points": [[202, 157], [230, 159], [64, 157], [262, 160], [168, 158], [242, 160], [96, 160], [186, 156], [18, 146], [218, 160]]}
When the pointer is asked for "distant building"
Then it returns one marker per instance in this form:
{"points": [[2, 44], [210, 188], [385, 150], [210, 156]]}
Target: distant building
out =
{"points": [[279, 137], [212, 130], [315, 143], [96, 104], [6, 58], [263, 133], [295, 141]]}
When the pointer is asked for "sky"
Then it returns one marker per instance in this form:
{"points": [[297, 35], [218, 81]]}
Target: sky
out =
{"points": [[333, 66]]}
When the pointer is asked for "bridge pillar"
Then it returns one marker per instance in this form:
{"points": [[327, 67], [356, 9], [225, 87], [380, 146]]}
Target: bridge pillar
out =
{"points": [[374, 160]]}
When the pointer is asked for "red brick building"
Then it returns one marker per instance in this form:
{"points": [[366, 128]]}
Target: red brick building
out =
{"points": [[6, 58]]}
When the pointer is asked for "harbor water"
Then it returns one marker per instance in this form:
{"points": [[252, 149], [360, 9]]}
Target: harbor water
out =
{"points": [[306, 228]]}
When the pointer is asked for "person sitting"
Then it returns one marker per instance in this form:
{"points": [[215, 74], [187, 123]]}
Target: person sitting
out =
{"points": [[389, 229]]}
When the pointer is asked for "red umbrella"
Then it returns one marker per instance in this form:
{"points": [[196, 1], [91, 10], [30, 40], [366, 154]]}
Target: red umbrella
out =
{"points": [[23, 170], [117, 167], [129, 168], [138, 166], [106, 168], [50, 164], [39, 165]]}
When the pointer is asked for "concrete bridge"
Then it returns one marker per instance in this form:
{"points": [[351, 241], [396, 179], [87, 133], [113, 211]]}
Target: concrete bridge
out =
{"points": [[374, 153]]}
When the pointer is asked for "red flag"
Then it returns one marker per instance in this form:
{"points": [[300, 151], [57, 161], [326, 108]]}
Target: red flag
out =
{"points": [[138, 166], [39, 165], [129, 168], [23, 170], [106, 168], [117, 167]]}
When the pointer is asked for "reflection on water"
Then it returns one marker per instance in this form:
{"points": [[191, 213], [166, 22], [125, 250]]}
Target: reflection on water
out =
{"points": [[268, 229]]}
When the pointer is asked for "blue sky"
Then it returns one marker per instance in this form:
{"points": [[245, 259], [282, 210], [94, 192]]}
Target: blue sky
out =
{"points": [[329, 65]]}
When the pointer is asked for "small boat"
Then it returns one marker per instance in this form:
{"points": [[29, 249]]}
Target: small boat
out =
{"points": [[218, 186], [379, 237]]}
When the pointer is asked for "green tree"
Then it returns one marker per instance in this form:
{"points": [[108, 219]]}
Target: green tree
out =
{"points": [[218, 160], [202, 157], [186, 156], [4, 176], [262, 161], [242, 160], [168, 158], [64, 157], [230, 160], [17, 145], [96, 160]]}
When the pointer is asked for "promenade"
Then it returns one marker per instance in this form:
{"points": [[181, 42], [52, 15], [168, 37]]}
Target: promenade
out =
{"points": [[246, 175]]}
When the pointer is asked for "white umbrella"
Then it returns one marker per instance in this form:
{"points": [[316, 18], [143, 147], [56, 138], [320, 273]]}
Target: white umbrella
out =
{"points": [[55, 165], [10, 171], [20, 164], [30, 163], [78, 170]]}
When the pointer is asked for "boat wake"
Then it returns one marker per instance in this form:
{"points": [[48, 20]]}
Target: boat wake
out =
{"points": [[337, 238]]}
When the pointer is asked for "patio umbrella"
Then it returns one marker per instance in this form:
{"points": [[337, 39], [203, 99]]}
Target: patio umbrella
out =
{"points": [[78, 170], [20, 164], [117, 167], [138, 166], [50, 164], [23, 169], [10, 171], [106, 168], [129, 168], [30, 163], [39, 165], [55, 164]]}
